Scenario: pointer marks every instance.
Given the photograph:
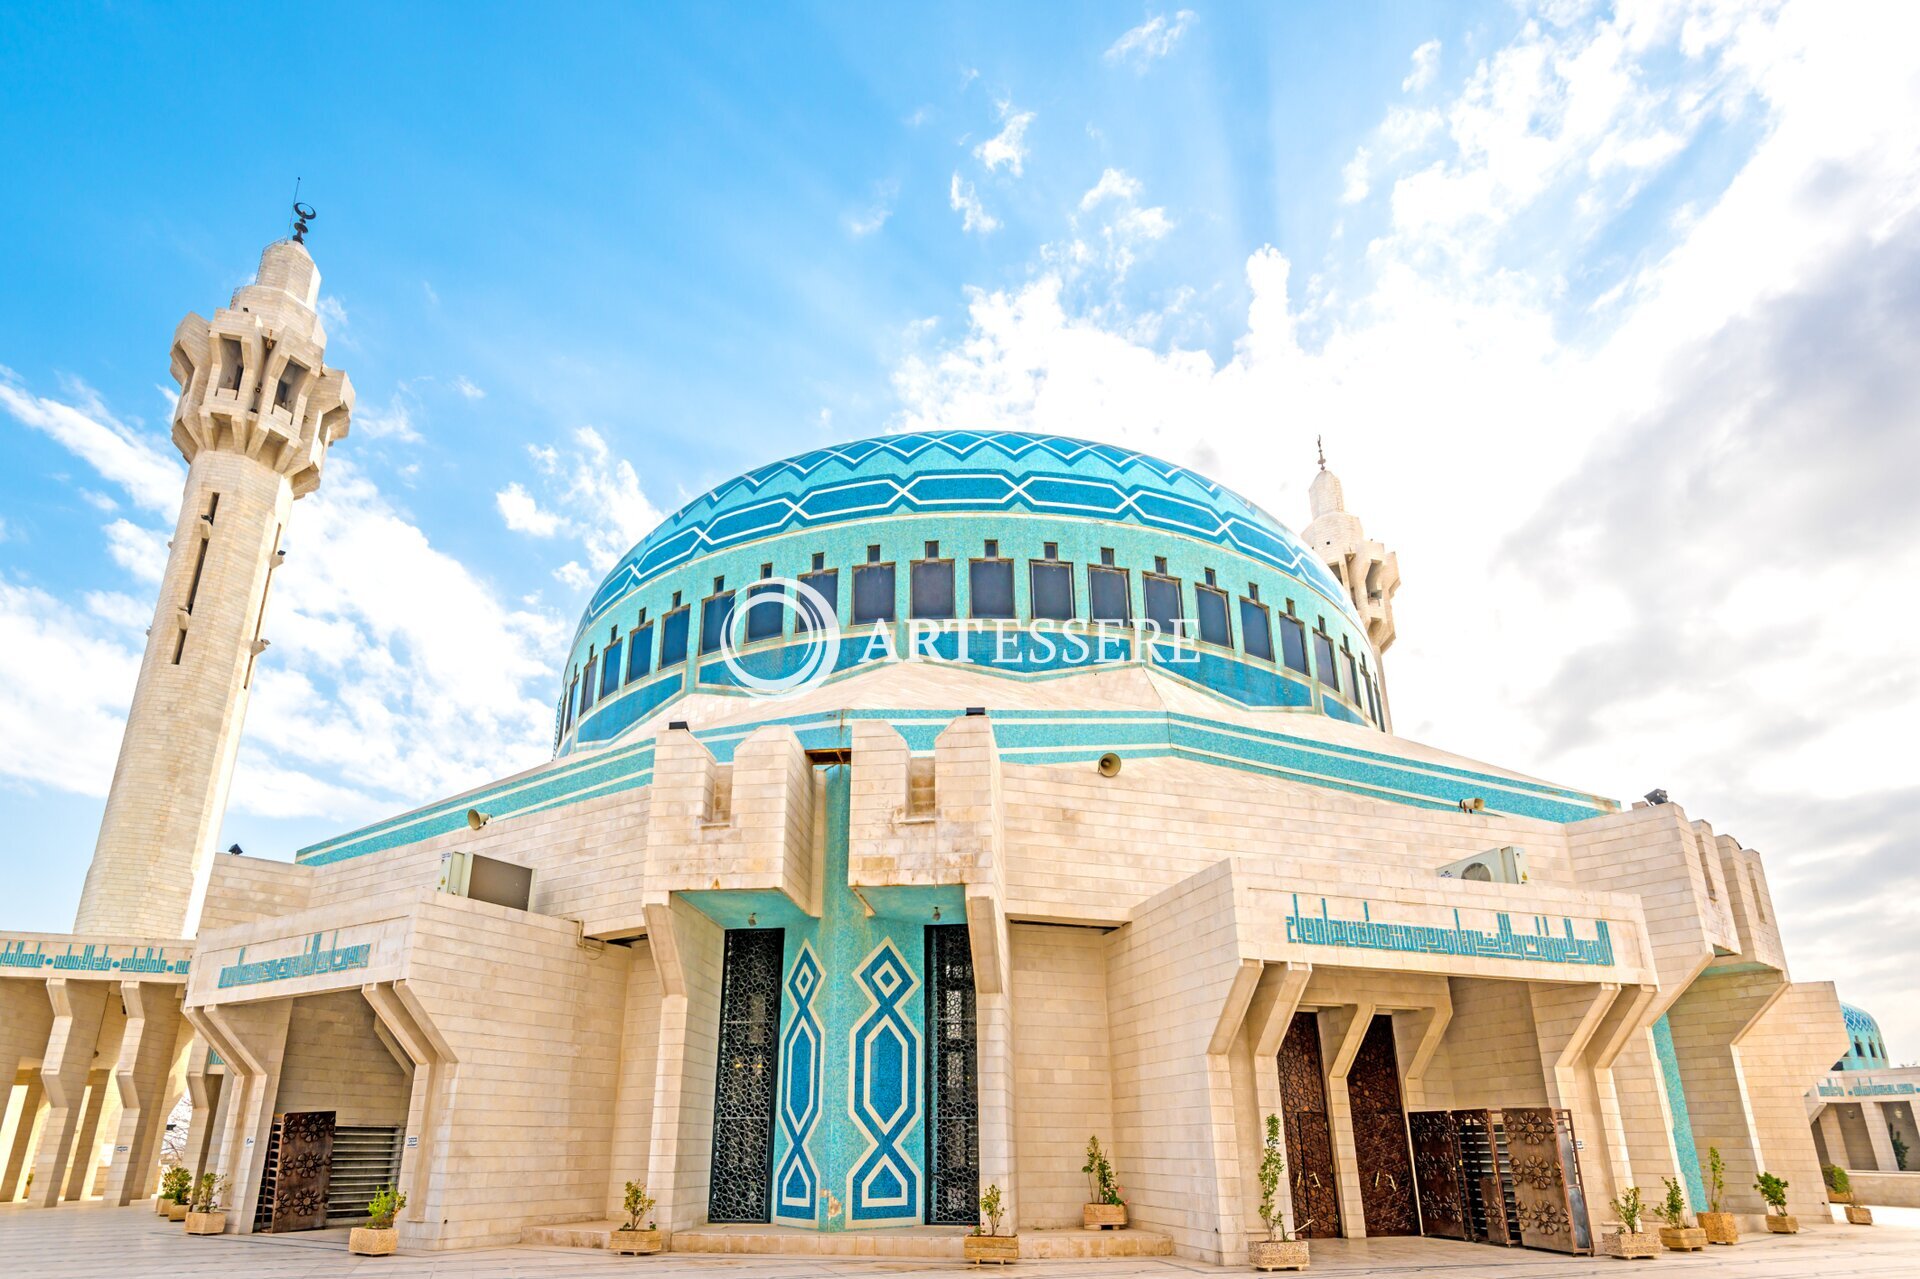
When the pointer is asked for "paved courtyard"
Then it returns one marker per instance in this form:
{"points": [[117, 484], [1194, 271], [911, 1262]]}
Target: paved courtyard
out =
{"points": [[92, 1242]]}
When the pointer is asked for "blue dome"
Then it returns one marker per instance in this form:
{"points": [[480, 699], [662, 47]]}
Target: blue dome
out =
{"points": [[1866, 1048], [912, 498]]}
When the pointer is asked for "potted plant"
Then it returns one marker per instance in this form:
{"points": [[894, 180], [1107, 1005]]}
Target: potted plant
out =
{"points": [[1630, 1242], [1720, 1226], [175, 1182], [1677, 1235], [378, 1238], [1282, 1249], [1106, 1208], [634, 1239], [986, 1243], [1839, 1185], [1774, 1191], [205, 1216]]}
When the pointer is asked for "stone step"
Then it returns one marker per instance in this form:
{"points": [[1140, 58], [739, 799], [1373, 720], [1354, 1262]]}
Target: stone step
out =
{"points": [[925, 1242]]}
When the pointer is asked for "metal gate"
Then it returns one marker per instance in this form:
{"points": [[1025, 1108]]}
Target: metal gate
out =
{"points": [[1437, 1173], [953, 1071], [1303, 1095], [741, 1183], [364, 1160], [1380, 1148]]}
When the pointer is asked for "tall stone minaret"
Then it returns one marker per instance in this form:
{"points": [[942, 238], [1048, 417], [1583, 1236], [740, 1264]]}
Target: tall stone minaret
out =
{"points": [[258, 408], [1369, 571]]}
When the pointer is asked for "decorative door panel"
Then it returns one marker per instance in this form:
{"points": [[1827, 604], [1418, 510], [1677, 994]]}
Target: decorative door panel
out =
{"points": [[1380, 1135], [303, 1167], [1482, 1178], [746, 1075], [1303, 1096], [1436, 1171], [953, 1083], [1539, 1179]]}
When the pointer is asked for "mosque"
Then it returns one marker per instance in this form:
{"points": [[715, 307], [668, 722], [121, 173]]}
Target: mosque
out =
{"points": [[919, 808], [1862, 1111]]}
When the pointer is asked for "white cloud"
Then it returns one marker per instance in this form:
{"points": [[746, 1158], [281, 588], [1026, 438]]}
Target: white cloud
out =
{"points": [[1632, 536], [120, 610], [334, 312], [63, 692], [1151, 40], [1114, 184], [1426, 65], [973, 215], [1355, 178], [523, 514], [394, 422], [1007, 148], [142, 552], [875, 215], [466, 388], [148, 470]]}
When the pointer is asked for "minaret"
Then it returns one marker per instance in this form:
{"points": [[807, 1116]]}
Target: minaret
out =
{"points": [[257, 410], [1369, 571]]}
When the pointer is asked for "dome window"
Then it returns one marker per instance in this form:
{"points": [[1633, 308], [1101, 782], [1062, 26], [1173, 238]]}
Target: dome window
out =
{"points": [[716, 611], [673, 635], [767, 622], [826, 584], [1256, 628], [873, 591], [1161, 595], [1293, 643], [931, 584], [1323, 657], [587, 682], [1108, 592], [639, 649], [990, 585], [1052, 584], [610, 669], [1210, 607]]}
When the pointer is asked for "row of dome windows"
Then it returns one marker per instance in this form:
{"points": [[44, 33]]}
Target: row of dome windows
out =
{"points": [[990, 583]]}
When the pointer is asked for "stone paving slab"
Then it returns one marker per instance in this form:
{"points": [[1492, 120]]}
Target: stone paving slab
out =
{"points": [[96, 1242]]}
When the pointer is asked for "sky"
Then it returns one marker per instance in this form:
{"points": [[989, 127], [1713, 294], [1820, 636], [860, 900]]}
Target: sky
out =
{"points": [[1607, 316]]}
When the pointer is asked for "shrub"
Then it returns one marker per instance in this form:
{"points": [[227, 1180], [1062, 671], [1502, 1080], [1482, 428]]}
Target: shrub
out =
{"points": [[638, 1204], [1716, 1178], [1899, 1151], [1101, 1184], [1629, 1207], [384, 1207], [175, 1184], [991, 1210], [1773, 1190], [1838, 1183], [208, 1191], [1273, 1170], [1673, 1209]]}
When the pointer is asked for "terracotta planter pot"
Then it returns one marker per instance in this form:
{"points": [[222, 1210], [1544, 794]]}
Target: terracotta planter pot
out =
{"points": [[633, 1243], [1278, 1254], [1632, 1247], [1720, 1227], [373, 1241], [176, 1211], [1781, 1223], [1858, 1216], [1000, 1249], [1103, 1216], [1683, 1238]]}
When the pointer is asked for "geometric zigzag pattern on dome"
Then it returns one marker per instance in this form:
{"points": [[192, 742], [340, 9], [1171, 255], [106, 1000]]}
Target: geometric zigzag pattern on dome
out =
{"points": [[894, 475]]}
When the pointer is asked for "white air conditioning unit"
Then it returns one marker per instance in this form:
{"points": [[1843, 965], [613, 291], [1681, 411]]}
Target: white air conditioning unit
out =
{"points": [[486, 879], [1495, 866]]}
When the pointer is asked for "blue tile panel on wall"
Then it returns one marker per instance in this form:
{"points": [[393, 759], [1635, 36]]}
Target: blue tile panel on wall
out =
{"points": [[796, 1179], [1683, 1147], [1028, 737]]}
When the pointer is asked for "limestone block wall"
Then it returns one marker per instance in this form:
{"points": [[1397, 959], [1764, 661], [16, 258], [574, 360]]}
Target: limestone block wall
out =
{"points": [[1062, 1079], [1758, 925], [25, 1019], [1781, 1055], [1491, 1055], [243, 889], [335, 1061], [748, 825], [1172, 972], [533, 1019], [633, 1115], [1651, 852], [924, 820], [1086, 847], [690, 951]]}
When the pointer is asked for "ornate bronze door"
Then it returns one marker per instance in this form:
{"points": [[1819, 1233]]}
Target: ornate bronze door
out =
{"points": [[1487, 1188], [1436, 1170], [304, 1165], [1303, 1098], [741, 1186], [1380, 1135], [1539, 1179]]}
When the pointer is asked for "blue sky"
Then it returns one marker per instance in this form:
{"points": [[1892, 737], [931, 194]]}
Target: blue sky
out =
{"points": [[1604, 315]]}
